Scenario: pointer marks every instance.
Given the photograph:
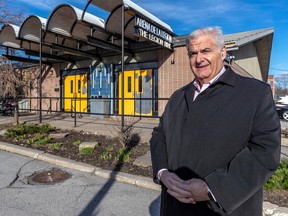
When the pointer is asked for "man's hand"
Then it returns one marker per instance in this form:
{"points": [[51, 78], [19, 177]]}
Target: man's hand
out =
{"points": [[176, 187], [190, 191], [198, 189]]}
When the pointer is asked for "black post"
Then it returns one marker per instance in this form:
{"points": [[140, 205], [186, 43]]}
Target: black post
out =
{"points": [[75, 121], [122, 65], [40, 76]]}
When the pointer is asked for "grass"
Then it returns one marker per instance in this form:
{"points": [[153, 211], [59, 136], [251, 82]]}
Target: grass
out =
{"points": [[54, 145]]}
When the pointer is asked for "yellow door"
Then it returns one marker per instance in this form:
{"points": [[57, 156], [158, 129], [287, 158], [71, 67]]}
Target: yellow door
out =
{"points": [[69, 89], [129, 92], [143, 93], [76, 93]]}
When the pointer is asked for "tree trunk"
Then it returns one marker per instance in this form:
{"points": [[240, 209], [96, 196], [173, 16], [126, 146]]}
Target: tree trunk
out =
{"points": [[16, 112]]}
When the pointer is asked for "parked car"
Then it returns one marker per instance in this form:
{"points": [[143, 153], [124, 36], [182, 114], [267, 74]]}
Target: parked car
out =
{"points": [[282, 110], [7, 106]]}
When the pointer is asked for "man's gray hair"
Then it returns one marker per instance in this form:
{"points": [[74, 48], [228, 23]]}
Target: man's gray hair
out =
{"points": [[215, 32]]}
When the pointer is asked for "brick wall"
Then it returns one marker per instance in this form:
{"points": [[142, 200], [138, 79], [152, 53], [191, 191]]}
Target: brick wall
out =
{"points": [[271, 83], [50, 86]]}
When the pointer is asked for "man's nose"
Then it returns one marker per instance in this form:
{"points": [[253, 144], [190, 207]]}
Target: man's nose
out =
{"points": [[199, 57]]}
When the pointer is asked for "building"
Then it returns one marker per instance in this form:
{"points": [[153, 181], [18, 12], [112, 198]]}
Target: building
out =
{"points": [[271, 82]]}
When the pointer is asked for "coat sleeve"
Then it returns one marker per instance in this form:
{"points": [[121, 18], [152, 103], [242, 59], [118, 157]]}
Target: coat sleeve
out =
{"points": [[158, 148], [249, 170]]}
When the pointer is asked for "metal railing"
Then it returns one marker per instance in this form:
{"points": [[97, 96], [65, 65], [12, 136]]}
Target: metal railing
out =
{"points": [[60, 105]]}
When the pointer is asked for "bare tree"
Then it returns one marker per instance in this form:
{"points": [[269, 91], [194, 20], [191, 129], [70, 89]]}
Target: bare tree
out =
{"points": [[9, 83], [125, 133], [9, 15], [9, 79], [281, 84]]}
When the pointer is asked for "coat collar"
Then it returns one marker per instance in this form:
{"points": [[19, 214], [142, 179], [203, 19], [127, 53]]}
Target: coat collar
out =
{"points": [[229, 77]]}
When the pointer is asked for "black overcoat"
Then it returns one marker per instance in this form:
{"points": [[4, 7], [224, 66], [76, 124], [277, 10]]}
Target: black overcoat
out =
{"points": [[229, 137]]}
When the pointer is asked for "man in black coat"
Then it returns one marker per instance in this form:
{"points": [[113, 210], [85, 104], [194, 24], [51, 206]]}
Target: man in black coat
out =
{"points": [[218, 140]]}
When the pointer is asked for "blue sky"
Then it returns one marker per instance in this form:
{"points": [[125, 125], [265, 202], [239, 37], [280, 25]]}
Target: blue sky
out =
{"points": [[185, 15]]}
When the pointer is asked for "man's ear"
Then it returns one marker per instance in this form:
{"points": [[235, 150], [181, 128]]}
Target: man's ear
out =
{"points": [[223, 53]]}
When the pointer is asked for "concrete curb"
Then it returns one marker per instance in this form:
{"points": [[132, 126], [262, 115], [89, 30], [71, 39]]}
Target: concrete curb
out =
{"points": [[139, 181]]}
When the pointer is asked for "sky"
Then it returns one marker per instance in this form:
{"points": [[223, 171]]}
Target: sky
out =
{"points": [[183, 16]]}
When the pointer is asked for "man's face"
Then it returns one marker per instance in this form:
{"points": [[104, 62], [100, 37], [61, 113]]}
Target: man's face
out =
{"points": [[206, 60]]}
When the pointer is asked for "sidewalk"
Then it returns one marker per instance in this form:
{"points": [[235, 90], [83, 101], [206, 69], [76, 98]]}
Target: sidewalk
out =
{"points": [[103, 126]]}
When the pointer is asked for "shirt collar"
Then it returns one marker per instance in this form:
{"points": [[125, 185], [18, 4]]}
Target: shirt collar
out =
{"points": [[197, 85]]}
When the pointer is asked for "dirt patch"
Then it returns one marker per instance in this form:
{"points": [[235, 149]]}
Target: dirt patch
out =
{"points": [[49, 177], [105, 156]]}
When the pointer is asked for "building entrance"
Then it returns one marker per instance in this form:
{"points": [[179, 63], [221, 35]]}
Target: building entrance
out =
{"points": [[76, 93], [137, 92]]}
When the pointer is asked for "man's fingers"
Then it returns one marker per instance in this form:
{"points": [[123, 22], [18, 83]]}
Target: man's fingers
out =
{"points": [[187, 200], [181, 185], [178, 193], [181, 198]]}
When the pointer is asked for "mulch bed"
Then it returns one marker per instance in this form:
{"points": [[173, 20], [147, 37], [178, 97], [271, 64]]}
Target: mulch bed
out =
{"points": [[71, 151]]}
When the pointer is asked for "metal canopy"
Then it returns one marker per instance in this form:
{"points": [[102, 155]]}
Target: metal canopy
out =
{"points": [[131, 11], [8, 36], [27, 36], [70, 34], [28, 60], [67, 20], [75, 52], [30, 28], [111, 5], [50, 56]]}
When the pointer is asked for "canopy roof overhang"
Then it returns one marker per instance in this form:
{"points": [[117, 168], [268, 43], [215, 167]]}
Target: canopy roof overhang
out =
{"points": [[71, 34]]}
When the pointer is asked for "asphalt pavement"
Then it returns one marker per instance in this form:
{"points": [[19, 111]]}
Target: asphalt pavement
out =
{"points": [[83, 194]]}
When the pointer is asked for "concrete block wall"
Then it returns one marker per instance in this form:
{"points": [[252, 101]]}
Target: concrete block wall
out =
{"points": [[174, 72]]}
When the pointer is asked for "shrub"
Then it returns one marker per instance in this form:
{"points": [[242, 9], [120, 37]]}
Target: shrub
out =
{"points": [[15, 132], [31, 128], [45, 128], [279, 180], [107, 153], [39, 140], [77, 142], [87, 150], [24, 129], [123, 155]]}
